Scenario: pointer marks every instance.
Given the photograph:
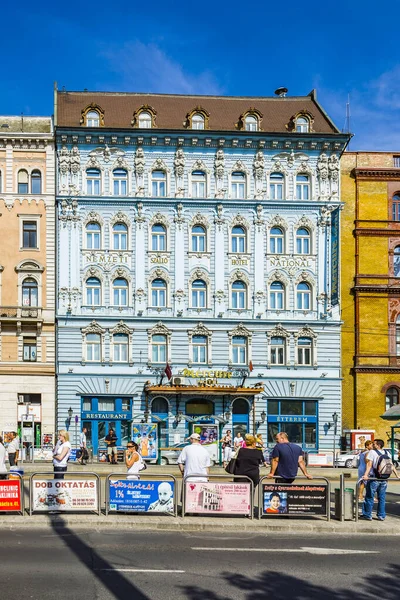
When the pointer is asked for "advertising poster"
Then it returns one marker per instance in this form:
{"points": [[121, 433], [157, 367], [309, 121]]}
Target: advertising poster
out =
{"points": [[293, 499], [142, 496], [47, 440], [10, 495], [42, 454], [208, 437], [320, 460], [7, 437], [62, 494], [227, 498], [145, 436]]}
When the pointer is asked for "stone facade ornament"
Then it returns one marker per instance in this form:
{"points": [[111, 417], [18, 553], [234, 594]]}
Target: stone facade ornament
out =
{"points": [[64, 160], [218, 219], [179, 163], [120, 217], [69, 211], [75, 160], [179, 295], [278, 331], [139, 218], [106, 153], [219, 165], [220, 295], [325, 215], [240, 330], [323, 173], [139, 163], [334, 174], [258, 218], [179, 219]]}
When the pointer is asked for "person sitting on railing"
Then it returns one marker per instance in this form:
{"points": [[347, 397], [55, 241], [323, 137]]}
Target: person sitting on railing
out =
{"points": [[286, 458]]}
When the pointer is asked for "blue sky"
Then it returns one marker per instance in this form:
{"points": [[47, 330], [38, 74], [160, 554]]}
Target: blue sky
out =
{"points": [[232, 48]]}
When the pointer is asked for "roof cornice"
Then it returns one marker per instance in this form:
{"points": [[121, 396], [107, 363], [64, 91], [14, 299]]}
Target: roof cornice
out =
{"points": [[361, 173]]}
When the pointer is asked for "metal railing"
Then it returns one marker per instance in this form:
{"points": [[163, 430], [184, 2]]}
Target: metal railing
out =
{"points": [[61, 499], [294, 485], [156, 478], [194, 478]]}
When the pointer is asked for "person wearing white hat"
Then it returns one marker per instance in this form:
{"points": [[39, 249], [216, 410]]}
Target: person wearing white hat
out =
{"points": [[194, 459]]}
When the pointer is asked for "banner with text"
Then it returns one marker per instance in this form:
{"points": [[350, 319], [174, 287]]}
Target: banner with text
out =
{"points": [[294, 499], [141, 496], [10, 495], [228, 498], [59, 494]]}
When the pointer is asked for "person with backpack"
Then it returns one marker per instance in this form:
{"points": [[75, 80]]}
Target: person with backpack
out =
{"points": [[379, 466]]}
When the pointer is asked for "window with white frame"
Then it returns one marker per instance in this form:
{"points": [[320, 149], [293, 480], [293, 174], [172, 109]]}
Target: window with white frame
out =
{"points": [[199, 346], [93, 291], [120, 343], [238, 239], [23, 182], [396, 207], [199, 294], [276, 241], [93, 236], [159, 348], [276, 181], [398, 336], [199, 184], [303, 241], [93, 347], [238, 185], [158, 293], [158, 238], [159, 184], [198, 121], [239, 295], [199, 239], [29, 292], [251, 123], [120, 236], [29, 234], [93, 179], [120, 292], [302, 187], [36, 182], [92, 119], [145, 120], [276, 295], [304, 351], [29, 349], [120, 177], [278, 351], [303, 296], [302, 125], [239, 350]]}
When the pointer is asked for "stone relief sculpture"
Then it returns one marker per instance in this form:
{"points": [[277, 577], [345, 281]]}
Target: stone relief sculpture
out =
{"points": [[179, 164], [323, 175], [258, 171], [334, 174], [219, 165]]}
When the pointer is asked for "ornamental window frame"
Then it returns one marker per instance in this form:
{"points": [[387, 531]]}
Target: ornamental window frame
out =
{"points": [[304, 296], [157, 236], [306, 332], [29, 269], [276, 239], [197, 112], [136, 121], [303, 188], [395, 207], [93, 286], [93, 329], [93, 235], [236, 185], [118, 179], [235, 297], [92, 108], [254, 113], [93, 176], [196, 236], [277, 295], [119, 289], [281, 333], [159, 329], [119, 236], [302, 240], [121, 329], [240, 331], [236, 238], [199, 220], [200, 330], [276, 186]]}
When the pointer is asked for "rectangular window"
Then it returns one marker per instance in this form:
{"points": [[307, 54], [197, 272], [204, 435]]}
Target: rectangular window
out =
{"points": [[106, 406], [29, 234], [87, 405], [29, 350], [291, 407], [396, 162]]}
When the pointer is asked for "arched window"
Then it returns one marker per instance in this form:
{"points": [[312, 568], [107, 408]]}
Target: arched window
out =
{"points": [[302, 187], [145, 120], [92, 119], [303, 296], [158, 238], [120, 347], [304, 351], [159, 348], [303, 241], [93, 236], [93, 347], [276, 181], [239, 350], [120, 182], [240, 407], [159, 293], [120, 289], [93, 182], [23, 181], [120, 236], [276, 241], [392, 397], [239, 293], [93, 291], [199, 239], [251, 123], [198, 121], [29, 292], [199, 344], [238, 185], [159, 406], [396, 207], [278, 351], [198, 184], [36, 182], [159, 184], [302, 125], [238, 239], [276, 296], [199, 294]]}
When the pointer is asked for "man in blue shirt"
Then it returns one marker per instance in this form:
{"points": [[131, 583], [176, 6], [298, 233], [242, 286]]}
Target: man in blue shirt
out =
{"points": [[286, 458]]}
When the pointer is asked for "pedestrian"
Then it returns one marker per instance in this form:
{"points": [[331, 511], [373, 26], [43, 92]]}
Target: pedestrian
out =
{"points": [[133, 460], [194, 459], [361, 468], [112, 451], [13, 449], [378, 485], [84, 455], [227, 447], [61, 454], [248, 460], [286, 458], [3, 468], [238, 442]]}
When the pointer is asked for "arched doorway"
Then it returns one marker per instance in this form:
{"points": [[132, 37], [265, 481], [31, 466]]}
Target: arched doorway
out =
{"points": [[240, 416]]}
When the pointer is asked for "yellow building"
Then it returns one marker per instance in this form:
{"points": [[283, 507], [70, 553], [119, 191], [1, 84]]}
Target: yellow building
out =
{"points": [[27, 229], [370, 271]]}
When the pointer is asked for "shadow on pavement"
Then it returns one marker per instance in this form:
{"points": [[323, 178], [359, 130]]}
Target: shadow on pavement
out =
{"points": [[115, 582], [272, 585]]}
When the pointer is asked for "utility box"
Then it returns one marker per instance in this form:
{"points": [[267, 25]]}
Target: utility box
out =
{"points": [[348, 509]]}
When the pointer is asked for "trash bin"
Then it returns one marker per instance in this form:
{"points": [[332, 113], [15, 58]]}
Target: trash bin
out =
{"points": [[15, 472], [348, 512]]}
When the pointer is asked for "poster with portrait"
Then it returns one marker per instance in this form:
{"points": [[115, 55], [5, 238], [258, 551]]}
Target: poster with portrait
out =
{"points": [[145, 436], [153, 496], [294, 499], [218, 498], [7, 437]]}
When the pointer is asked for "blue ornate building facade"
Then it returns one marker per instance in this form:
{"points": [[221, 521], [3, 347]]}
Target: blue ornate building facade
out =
{"points": [[199, 233]]}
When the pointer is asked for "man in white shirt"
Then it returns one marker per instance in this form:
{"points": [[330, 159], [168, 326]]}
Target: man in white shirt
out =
{"points": [[13, 450], [194, 459], [82, 443]]}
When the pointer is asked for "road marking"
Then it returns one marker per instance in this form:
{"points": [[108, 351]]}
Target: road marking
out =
{"points": [[305, 549], [142, 570]]}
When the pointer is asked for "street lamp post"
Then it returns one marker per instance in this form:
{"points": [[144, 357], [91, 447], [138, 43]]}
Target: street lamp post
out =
{"points": [[76, 430], [335, 417]]}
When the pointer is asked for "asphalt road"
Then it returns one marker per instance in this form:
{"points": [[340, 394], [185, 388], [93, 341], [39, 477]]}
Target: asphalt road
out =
{"points": [[49, 564]]}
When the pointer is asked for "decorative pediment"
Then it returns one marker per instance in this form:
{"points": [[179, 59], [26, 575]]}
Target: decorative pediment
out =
{"points": [[199, 165], [93, 217], [278, 331], [27, 266], [199, 274], [251, 112], [239, 275], [159, 218], [159, 329], [121, 327], [278, 221], [306, 277], [241, 221], [304, 221], [93, 327], [305, 331], [239, 166], [278, 276], [121, 163], [160, 165], [93, 272], [159, 274], [121, 273], [200, 329], [199, 219], [93, 163], [89, 108], [120, 217], [240, 329]]}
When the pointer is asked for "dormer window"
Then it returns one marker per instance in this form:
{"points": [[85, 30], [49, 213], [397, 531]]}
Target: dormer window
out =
{"points": [[302, 125], [93, 119], [145, 120], [144, 117], [197, 121], [92, 116], [251, 123]]}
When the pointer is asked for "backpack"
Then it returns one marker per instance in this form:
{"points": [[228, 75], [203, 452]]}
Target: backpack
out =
{"points": [[384, 466]]}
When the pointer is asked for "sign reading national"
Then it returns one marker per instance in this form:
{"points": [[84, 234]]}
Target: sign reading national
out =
{"points": [[293, 499], [141, 496]]}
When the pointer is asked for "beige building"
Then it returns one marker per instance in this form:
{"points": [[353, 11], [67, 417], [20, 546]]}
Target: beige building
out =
{"points": [[27, 276]]}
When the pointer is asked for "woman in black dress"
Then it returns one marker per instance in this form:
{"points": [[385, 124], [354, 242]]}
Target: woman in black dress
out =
{"points": [[248, 461]]}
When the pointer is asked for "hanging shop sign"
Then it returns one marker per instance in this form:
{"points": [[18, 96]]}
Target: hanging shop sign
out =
{"points": [[142, 496], [55, 494], [211, 498], [294, 499], [109, 416], [10, 495]]}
